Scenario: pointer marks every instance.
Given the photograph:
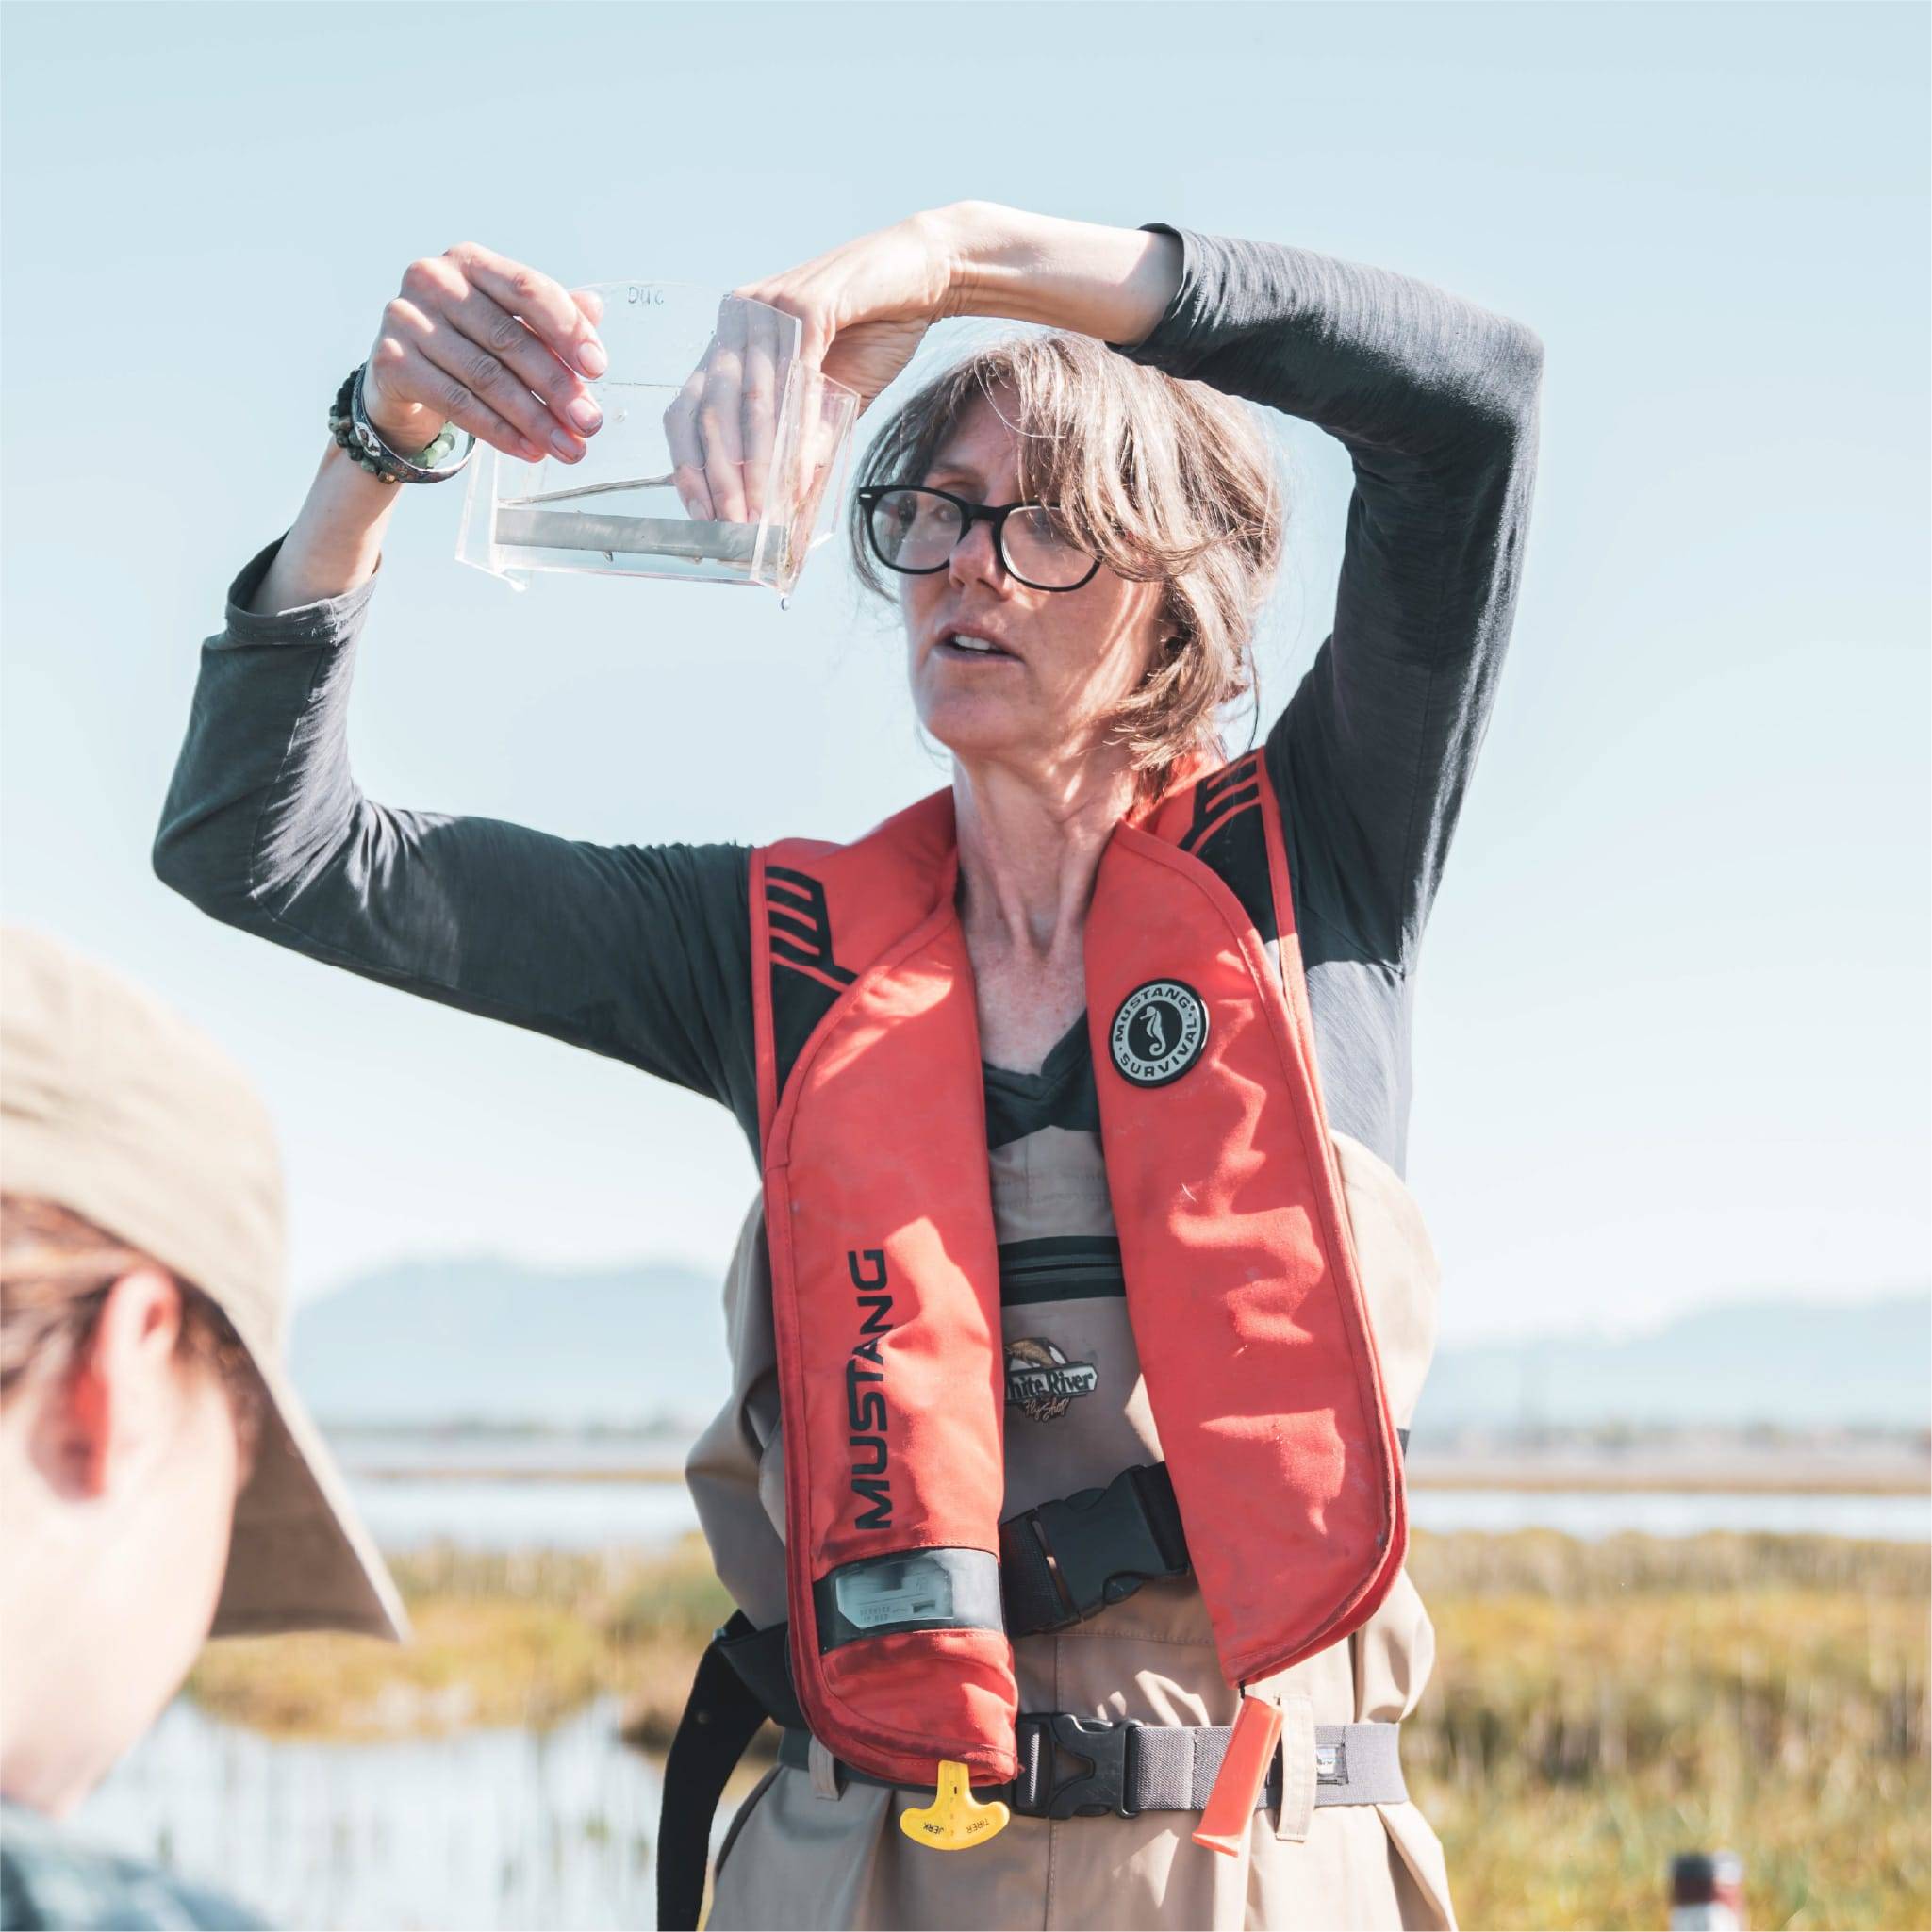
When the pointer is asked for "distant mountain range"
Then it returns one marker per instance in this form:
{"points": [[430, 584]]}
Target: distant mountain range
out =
{"points": [[1789, 1364], [484, 1340]]}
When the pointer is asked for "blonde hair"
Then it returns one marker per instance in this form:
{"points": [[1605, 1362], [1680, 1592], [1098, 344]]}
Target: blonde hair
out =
{"points": [[1162, 480]]}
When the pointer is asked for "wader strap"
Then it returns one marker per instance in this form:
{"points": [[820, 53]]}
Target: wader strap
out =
{"points": [[762, 1659], [1085, 1767], [1069, 1560], [742, 1679]]}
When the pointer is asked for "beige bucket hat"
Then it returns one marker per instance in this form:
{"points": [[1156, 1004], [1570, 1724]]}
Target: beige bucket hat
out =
{"points": [[114, 1107]]}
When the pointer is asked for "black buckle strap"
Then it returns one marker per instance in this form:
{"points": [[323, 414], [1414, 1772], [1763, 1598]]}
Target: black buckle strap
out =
{"points": [[1067, 1559], [1108, 1750], [725, 1711], [1112, 1782], [1070, 1558], [763, 1662]]}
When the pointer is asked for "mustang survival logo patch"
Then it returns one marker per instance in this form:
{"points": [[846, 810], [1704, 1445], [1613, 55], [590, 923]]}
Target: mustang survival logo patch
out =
{"points": [[1159, 1032]]}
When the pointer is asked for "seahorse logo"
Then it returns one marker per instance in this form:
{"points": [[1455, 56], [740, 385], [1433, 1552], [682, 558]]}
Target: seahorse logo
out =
{"points": [[1159, 1032]]}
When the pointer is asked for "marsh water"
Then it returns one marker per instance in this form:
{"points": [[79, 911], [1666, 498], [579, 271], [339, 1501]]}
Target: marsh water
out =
{"points": [[487, 1829], [518, 1828], [490, 1496]]}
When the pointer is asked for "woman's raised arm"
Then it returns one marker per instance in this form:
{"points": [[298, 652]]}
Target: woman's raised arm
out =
{"points": [[1436, 401], [641, 952]]}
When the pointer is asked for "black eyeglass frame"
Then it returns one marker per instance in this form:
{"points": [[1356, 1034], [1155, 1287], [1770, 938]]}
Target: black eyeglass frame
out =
{"points": [[970, 513]]}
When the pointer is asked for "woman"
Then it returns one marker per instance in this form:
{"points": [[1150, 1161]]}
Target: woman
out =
{"points": [[1073, 657]]}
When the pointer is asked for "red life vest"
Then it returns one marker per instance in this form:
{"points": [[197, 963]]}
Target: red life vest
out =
{"points": [[1242, 1286]]}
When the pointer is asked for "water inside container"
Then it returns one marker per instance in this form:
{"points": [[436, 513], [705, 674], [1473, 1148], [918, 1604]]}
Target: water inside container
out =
{"points": [[617, 508]]}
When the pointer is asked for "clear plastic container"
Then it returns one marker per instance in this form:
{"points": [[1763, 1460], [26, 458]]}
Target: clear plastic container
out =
{"points": [[777, 461]]}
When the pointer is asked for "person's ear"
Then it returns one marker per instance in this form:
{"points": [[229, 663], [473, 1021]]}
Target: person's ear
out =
{"points": [[1166, 651], [116, 1391]]}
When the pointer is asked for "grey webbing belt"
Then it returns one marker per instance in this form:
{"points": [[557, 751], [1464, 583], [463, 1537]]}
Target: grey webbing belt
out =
{"points": [[1134, 1767]]}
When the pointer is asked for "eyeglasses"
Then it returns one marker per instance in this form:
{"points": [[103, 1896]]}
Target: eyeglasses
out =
{"points": [[915, 530]]}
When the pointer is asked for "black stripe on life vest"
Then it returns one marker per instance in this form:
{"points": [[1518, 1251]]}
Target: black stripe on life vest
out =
{"points": [[1059, 1267], [1220, 793], [799, 1002], [806, 980], [1229, 836], [800, 922], [1219, 798]]}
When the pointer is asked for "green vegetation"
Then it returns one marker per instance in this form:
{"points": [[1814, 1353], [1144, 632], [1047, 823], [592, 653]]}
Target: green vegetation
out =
{"points": [[478, 1661], [1597, 1707], [498, 1640], [1594, 1705]]}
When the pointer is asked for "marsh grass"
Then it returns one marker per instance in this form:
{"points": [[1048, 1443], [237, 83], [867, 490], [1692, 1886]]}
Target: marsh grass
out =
{"points": [[1597, 1707], [1594, 1706], [519, 1639]]}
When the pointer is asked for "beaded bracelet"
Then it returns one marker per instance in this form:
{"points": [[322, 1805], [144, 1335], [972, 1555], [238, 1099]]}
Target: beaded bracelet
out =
{"points": [[350, 429]]}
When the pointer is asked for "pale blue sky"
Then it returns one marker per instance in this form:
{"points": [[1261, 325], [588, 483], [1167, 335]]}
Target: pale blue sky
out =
{"points": [[1672, 1017]]}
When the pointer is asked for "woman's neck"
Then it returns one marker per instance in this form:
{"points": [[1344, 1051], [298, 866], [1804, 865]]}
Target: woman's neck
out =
{"points": [[1030, 846]]}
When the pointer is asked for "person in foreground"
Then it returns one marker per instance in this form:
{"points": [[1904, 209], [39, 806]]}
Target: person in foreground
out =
{"points": [[1080, 1320], [160, 1475]]}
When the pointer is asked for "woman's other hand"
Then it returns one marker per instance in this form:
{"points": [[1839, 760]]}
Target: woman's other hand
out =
{"points": [[863, 307], [480, 340]]}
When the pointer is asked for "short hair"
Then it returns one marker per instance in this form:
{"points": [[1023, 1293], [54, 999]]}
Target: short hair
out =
{"points": [[1164, 480]]}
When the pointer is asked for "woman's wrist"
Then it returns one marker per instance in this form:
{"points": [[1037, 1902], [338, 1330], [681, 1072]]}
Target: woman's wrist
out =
{"points": [[1113, 283], [335, 541]]}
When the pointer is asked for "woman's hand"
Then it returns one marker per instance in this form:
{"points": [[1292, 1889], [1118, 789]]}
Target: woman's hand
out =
{"points": [[480, 340], [865, 305], [864, 309]]}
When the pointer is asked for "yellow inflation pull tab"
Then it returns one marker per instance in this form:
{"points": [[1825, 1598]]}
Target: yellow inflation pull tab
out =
{"points": [[955, 1820]]}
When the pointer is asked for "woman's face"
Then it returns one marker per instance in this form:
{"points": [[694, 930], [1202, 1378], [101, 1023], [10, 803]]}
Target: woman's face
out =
{"points": [[1064, 659]]}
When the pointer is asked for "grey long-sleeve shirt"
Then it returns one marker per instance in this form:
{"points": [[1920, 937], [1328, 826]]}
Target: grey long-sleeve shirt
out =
{"points": [[643, 951]]}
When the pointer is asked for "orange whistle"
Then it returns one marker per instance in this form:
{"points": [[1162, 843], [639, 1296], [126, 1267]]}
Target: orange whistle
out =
{"points": [[1230, 1806]]}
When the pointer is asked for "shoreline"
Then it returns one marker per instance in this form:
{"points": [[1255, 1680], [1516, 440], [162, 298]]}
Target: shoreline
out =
{"points": [[1811, 1479]]}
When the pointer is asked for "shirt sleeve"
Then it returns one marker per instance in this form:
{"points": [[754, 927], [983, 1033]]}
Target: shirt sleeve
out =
{"points": [[1436, 401], [639, 952]]}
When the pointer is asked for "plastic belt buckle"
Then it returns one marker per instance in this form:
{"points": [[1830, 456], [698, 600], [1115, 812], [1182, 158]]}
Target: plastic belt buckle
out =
{"points": [[1109, 1751], [1101, 1546]]}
